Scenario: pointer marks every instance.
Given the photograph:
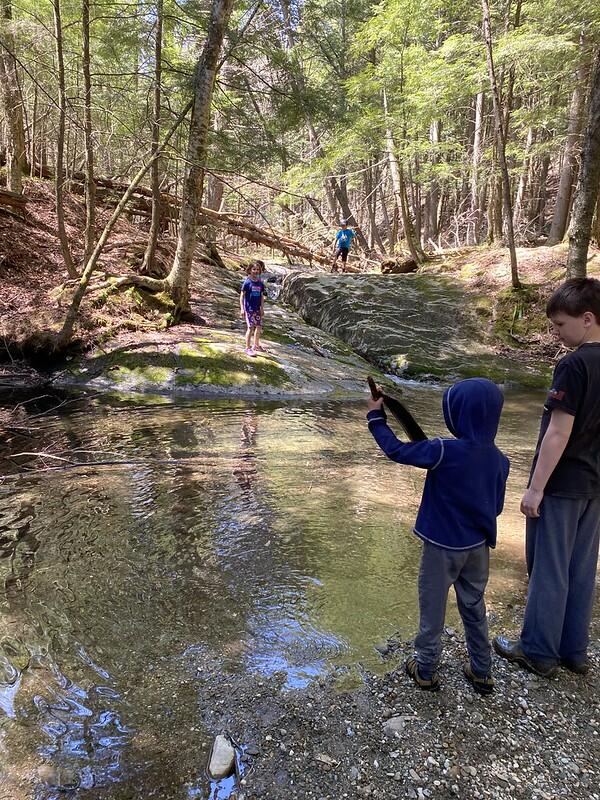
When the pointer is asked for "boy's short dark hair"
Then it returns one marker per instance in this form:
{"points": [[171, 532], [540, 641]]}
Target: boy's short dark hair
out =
{"points": [[256, 263], [575, 297]]}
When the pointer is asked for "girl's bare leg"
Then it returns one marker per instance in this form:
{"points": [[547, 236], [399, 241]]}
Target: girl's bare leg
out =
{"points": [[248, 337], [257, 337]]}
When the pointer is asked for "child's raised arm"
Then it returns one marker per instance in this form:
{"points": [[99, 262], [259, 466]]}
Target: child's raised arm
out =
{"points": [[426, 454]]}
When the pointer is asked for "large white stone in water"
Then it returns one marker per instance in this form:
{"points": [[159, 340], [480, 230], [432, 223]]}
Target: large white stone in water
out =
{"points": [[222, 758]]}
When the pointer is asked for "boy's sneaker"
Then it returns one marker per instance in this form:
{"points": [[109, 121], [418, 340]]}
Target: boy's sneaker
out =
{"points": [[412, 669], [481, 685], [250, 352], [578, 667], [512, 651]]}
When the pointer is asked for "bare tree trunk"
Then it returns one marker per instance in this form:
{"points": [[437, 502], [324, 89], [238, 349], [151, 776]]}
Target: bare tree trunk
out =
{"points": [[500, 134], [386, 220], [342, 197], [399, 187], [12, 102], [60, 145], [569, 167], [587, 186], [473, 230], [415, 202], [90, 186], [34, 130], [433, 195], [596, 223], [539, 193], [149, 255], [523, 179], [316, 146], [204, 82], [370, 181]]}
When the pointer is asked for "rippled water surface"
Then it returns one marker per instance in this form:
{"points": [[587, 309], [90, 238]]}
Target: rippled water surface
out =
{"points": [[207, 536]]}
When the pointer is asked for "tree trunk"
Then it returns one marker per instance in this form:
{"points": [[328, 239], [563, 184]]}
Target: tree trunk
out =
{"points": [[569, 164], [500, 137], [204, 82], [473, 229], [66, 331], [587, 186], [386, 220], [540, 196], [34, 131], [523, 179], [12, 103], [155, 224], [60, 145], [433, 195], [399, 187], [90, 186], [342, 197], [596, 223]]}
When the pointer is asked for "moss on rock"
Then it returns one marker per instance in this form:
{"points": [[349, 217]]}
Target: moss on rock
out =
{"points": [[519, 315], [195, 363]]}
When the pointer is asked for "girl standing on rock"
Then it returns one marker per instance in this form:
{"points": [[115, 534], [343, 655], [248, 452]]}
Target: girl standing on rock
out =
{"points": [[252, 301]]}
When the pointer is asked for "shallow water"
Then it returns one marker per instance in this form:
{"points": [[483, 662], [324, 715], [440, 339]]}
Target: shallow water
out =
{"points": [[207, 536]]}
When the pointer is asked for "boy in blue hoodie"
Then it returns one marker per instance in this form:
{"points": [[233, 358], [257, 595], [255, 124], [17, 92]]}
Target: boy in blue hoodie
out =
{"points": [[462, 497]]}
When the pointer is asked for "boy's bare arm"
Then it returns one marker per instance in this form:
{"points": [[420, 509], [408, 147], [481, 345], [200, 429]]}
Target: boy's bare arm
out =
{"points": [[552, 447]]}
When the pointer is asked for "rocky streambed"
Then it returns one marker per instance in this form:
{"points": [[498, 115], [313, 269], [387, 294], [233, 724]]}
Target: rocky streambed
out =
{"points": [[533, 738]]}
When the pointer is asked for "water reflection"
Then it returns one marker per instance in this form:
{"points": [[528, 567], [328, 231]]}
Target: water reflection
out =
{"points": [[272, 539]]}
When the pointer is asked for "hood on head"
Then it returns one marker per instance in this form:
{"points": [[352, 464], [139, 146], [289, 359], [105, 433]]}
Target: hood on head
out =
{"points": [[472, 409]]}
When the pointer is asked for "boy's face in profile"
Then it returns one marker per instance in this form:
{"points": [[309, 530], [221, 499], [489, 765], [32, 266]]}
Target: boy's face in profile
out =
{"points": [[254, 272], [572, 331]]}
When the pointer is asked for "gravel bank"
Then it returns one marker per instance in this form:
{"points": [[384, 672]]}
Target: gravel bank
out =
{"points": [[533, 738]]}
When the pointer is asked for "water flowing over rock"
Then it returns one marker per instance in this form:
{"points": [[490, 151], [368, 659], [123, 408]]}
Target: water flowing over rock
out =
{"points": [[423, 326]]}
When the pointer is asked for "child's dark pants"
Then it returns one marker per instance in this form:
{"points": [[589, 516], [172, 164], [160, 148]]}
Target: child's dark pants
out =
{"points": [[562, 554], [467, 571]]}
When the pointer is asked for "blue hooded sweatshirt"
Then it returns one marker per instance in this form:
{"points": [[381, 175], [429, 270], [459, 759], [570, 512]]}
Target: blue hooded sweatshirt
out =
{"points": [[466, 476]]}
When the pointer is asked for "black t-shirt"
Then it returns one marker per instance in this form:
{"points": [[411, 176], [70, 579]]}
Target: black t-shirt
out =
{"points": [[576, 390]]}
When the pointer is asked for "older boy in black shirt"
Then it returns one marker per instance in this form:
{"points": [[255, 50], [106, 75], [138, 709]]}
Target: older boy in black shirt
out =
{"points": [[562, 502]]}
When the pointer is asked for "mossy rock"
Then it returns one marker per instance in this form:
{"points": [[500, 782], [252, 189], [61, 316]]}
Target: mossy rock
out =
{"points": [[194, 364]]}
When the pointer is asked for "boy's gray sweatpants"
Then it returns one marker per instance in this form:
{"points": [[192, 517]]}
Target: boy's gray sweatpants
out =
{"points": [[467, 571], [562, 554]]}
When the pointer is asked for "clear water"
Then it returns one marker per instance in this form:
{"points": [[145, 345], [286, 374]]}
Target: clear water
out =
{"points": [[229, 536]]}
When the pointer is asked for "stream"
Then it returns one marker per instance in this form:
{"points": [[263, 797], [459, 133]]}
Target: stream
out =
{"points": [[206, 538]]}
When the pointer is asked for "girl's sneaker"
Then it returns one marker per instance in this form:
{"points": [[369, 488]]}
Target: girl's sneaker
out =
{"points": [[250, 352]]}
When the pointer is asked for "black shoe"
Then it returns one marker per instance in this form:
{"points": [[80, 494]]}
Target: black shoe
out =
{"points": [[481, 685], [412, 669], [512, 651], [578, 667]]}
